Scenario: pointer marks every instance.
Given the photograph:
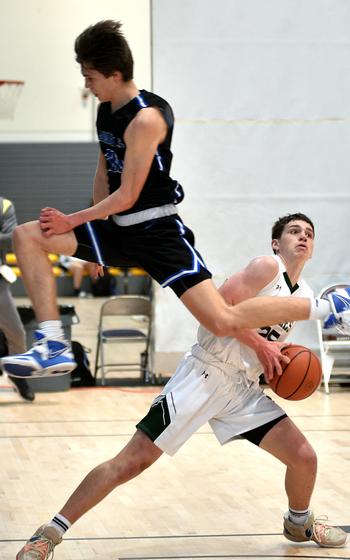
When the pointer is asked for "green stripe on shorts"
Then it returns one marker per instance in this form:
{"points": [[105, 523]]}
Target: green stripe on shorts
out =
{"points": [[156, 420]]}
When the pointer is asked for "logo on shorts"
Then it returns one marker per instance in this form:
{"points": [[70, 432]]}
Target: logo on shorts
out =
{"points": [[205, 374], [278, 288]]}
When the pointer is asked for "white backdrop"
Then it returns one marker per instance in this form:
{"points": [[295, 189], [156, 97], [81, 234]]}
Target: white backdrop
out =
{"points": [[260, 91], [37, 45]]}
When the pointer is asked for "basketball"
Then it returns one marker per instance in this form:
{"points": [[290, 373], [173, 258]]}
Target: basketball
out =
{"points": [[301, 377]]}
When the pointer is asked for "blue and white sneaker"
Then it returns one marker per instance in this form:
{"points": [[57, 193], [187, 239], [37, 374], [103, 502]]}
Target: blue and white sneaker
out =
{"points": [[339, 318], [47, 357]]}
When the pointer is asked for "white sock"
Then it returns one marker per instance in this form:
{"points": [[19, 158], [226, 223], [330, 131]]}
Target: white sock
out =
{"points": [[319, 308], [60, 523], [52, 329], [298, 517]]}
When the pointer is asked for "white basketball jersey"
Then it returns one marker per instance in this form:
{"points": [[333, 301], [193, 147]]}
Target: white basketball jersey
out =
{"points": [[239, 356]]}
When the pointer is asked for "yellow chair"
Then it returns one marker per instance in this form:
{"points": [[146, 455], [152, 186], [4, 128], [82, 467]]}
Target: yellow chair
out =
{"points": [[11, 259], [53, 258], [16, 270]]}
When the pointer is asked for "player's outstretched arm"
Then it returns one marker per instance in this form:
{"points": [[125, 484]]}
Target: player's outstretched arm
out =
{"points": [[247, 284]]}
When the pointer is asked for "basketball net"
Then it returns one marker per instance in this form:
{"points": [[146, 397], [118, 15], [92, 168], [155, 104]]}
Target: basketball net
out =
{"points": [[9, 93]]}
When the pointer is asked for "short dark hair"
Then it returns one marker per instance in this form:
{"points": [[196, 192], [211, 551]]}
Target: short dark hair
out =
{"points": [[104, 47], [278, 226]]}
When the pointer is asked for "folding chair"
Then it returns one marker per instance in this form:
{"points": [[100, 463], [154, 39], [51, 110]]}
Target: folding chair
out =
{"points": [[124, 320], [334, 346]]}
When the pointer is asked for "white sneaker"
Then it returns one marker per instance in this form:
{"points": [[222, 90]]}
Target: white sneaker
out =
{"points": [[314, 530], [41, 545], [47, 357]]}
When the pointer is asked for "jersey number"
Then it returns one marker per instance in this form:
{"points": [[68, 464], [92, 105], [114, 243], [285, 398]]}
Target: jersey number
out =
{"points": [[269, 333]]}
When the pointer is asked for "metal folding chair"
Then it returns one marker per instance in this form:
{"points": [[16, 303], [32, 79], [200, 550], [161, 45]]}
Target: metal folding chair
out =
{"points": [[125, 320]]}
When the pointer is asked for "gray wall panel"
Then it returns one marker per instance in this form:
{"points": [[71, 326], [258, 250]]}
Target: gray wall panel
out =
{"points": [[37, 175]]}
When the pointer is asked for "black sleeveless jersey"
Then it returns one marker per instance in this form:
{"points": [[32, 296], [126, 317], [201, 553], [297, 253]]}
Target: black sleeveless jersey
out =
{"points": [[159, 188]]}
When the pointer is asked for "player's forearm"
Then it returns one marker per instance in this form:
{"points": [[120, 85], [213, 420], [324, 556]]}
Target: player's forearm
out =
{"points": [[250, 338], [113, 204]]}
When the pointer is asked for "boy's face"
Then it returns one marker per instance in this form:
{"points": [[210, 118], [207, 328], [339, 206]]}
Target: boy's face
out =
{"points": [[296, 241], [100, 86]]}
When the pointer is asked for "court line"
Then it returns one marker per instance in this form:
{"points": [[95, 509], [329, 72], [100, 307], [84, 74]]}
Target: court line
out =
{"points": [[172, 537], [140, 390], [128, 434], [281, 556], [91, 420], [26, 436], [125, 420], [196, 556]]}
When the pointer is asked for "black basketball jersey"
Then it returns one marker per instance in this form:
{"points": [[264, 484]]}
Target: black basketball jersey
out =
{"points": [[159, 188]]}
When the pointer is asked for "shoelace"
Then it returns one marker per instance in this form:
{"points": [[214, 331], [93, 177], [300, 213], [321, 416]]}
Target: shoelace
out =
{"points": [[51, 550], [320, 528], [44, 541], [51, 553], [51, 547]]}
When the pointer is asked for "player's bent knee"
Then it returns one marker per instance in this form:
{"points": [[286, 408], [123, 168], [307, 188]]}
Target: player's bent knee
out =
{"points": [[26, 233], [18, 234], [30, 236], [305, 457]]}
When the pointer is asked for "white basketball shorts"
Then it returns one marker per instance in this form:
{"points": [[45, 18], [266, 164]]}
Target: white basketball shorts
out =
{"points": [[199, 392]]}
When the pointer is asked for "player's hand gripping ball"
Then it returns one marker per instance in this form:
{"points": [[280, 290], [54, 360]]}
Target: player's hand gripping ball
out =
{"points": [[301, 377]]}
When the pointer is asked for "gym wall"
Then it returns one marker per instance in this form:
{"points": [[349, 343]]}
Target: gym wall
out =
{"points": [[260, 91]]}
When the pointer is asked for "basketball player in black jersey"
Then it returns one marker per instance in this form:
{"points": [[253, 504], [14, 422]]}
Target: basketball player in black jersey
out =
{"points": [[134, 191]]}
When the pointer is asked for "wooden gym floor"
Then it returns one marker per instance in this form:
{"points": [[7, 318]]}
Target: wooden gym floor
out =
{"points": [[205, 502]]}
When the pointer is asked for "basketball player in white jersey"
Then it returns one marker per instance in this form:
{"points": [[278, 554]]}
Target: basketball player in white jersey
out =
{"points": [[218, 382]]}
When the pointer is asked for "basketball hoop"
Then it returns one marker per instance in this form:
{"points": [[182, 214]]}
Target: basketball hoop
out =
{"points": [[9, 93]]}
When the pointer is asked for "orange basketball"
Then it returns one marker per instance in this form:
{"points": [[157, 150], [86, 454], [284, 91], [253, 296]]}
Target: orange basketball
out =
{"points": [[301, 377]]}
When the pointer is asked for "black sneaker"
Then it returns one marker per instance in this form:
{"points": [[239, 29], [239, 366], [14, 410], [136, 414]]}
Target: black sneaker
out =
{"points": [[22, 388]]}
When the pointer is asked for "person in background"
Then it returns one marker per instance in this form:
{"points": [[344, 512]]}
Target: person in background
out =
{"points": [[10, 321], [78, 268]]}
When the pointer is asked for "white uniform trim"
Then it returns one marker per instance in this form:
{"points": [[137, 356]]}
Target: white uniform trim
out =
{"points": [[95, 243], [144, 215], [197, 262]]}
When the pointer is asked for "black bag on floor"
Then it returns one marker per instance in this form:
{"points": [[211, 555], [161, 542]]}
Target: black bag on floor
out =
{"points": [[81, 376]]}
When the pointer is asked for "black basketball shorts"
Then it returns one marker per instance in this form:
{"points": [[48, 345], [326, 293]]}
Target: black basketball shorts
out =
{"points": [[163, 247]]}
